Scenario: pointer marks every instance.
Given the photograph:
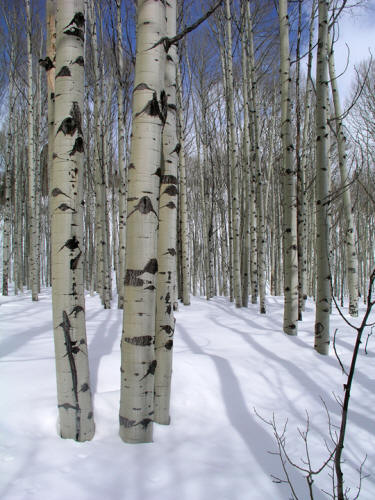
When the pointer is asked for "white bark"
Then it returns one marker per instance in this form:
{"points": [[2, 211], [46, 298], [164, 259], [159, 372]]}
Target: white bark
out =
{"points": [[351, 253], [9, 163], [121, 162], [261, 237], [290, 184], [233, 163], [33, 231], [323, 292], [183, 197], [138, 362], [73, 381], [167, 244]]}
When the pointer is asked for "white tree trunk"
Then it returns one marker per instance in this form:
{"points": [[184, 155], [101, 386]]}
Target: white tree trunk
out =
{"points": [[121, 163], [73, 381], [138, 362], [234, 166], [167, 243], [183, 197], [290, 183], [323, 291], [33, 222], [351, 253]]}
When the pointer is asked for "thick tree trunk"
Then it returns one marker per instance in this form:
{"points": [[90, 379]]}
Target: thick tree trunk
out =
{"points": [[73, 381], [138, 361], [167, 242]]}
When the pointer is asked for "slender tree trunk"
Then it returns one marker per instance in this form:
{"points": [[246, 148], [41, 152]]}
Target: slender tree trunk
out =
{"points": [[351, 254], [9, 163], [33, 222], [245, 279], [185, 265], [73, 381], [234, 166], [255, 153], [138, 361], [290, 184], [121, 162], [323, 292]]}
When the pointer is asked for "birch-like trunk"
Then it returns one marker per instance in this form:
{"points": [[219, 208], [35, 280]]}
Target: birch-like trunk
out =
{"points": [[9, 163], [255, 152], [305, 159], [351, 253], [49, 65], [33, 222], [323, 291], [246, 160], [183, 196], [138, 361], [234, 166], [73, 381], [290, 183], [121, 162], [167, 243]]}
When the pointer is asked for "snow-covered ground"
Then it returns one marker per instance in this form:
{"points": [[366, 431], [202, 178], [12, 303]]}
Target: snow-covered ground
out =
{"points": [[227, 362]]}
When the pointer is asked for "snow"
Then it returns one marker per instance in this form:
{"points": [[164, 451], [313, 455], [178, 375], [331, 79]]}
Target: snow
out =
{"points": [[227, 362]]}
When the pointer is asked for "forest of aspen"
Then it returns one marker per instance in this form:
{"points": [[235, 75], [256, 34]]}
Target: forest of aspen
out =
{"points": [[187, 195]]}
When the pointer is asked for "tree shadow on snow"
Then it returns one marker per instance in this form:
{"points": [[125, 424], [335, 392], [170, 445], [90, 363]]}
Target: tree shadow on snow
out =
{"points": [[257, 440], [104, 338]]}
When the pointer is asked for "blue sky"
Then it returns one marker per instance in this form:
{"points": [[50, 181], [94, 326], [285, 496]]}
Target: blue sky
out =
{"points": [[356, 31]]}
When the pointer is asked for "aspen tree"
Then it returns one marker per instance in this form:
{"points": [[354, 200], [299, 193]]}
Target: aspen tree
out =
{"points": [[49, 65], [234, 166], [9, 163], [305, 158], [167, 243], [183, 196], [300, 173], [255, 154], [101, 240], [72, 371], [323, 292], [121, 161], [246, 160], [290, 184], [138, 361], [351, 253], [32, 212]]}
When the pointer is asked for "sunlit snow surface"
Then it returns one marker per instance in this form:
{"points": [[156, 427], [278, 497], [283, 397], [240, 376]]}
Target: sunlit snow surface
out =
{"points": [[227, 362]]}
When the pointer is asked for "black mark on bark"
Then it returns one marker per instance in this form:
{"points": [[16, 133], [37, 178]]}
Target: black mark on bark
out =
{"points": [[171, 190], [78, 147], [80, 61], [78, 20], [169, 345], [144, 206], [71, 244], [145, 340], [151, 369], [64, 71], [57, 191], [169, 179], [46, 63]]}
